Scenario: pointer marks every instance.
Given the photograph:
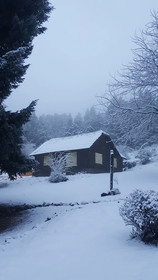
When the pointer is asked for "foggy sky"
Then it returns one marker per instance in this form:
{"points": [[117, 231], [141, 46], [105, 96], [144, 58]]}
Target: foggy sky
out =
{"points": [[86, 42]]}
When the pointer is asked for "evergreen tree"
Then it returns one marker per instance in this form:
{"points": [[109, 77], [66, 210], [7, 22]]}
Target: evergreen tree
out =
{"points": [[20, 22], [92, 120]]}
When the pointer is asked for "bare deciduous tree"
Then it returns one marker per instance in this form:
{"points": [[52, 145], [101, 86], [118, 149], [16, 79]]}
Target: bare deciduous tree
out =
{"points": [[131, 99], [138, 81]]}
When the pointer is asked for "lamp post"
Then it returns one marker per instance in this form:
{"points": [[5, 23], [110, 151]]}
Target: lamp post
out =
{"points": [[112, 191], [111, 168]]}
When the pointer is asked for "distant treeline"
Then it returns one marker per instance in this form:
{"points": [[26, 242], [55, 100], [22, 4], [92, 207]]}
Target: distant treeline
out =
{"points": [[125, 128]]}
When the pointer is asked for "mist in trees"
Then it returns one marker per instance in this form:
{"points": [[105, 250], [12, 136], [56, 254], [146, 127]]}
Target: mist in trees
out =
{"points": [[123, 127], [45, 127]]}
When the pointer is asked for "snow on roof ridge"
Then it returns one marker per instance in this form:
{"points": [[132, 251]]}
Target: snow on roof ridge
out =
{"points": [[73, 142], [81, 134]]}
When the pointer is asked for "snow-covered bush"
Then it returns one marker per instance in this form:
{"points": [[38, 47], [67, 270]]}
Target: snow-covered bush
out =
{"points": [[58, 168], [140, 210], [127, 164], [144, 156]]}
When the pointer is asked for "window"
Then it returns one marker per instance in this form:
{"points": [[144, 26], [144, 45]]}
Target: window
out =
{"points": [[71, 159], [115, 162], [47, 160], [98, 158]]}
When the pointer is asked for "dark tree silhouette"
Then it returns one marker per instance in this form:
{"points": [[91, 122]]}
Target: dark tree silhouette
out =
{"points": [[20, 23]]}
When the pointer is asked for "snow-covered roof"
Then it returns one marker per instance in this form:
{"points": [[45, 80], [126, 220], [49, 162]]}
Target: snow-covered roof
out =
{"points": [[76, 142]]}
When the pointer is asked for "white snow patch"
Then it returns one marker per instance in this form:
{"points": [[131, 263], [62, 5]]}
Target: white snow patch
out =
{"points": [[84, 242]]}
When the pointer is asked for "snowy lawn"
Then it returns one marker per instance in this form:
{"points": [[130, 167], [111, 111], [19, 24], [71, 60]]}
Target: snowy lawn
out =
{"points": [[80, 242]]}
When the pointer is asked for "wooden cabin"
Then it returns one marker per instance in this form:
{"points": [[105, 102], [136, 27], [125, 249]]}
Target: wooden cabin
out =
{"points": [[88, 152]]}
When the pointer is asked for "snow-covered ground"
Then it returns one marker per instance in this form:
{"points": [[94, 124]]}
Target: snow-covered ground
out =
{"points": [[80, 242]]}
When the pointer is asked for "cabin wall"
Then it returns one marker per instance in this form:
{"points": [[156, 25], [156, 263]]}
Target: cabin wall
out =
{"points": [[82, 161], [83, 158], [103, 146], [41, 169]]}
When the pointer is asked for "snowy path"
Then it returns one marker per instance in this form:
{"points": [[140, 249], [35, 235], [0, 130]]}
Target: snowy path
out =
{"points": [[86, 243]]}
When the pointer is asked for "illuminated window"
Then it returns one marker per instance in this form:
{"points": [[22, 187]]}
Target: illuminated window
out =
{"points": [[71, 159], [47, 160], [115, 162], [98, 158]]}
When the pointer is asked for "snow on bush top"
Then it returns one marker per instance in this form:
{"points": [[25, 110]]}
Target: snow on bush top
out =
{"points": [[140, 208]]}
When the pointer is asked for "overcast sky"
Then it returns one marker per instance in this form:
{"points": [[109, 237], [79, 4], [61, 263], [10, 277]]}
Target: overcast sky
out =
{"points": [[86, 42]]}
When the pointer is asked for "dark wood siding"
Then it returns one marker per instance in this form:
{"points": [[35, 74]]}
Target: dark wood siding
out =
{"points": [[41, 169], [103, 145], [82, 161], [83, 158]]}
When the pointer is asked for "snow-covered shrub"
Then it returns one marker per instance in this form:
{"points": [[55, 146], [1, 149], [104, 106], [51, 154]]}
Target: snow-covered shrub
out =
{"points": [[140, 210], [144, 156], [127, 164], [58, 168]]}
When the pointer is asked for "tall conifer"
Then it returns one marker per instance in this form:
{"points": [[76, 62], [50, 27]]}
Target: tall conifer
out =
{"points": [[20, 22]]}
